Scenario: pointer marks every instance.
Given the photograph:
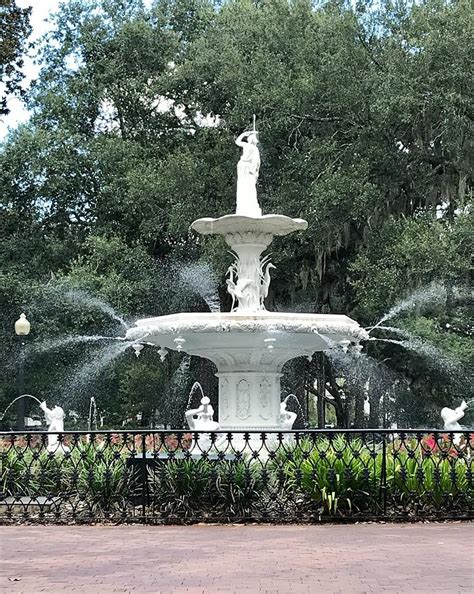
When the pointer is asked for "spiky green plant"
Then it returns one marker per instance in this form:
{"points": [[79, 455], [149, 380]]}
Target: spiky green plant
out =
{"points": [[337, 475]]}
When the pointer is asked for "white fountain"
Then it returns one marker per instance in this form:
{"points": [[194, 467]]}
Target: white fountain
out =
{"points": [[249, 345]]}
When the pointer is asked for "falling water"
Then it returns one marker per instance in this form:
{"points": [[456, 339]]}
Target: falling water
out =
{"points": [[196, 387], [429, 352], [86, 374], [18, 398], [358, 368], [92, 419], [200, 277], [433, 293], [81, 297], [300, 408], [59, 343], [396, 330]]}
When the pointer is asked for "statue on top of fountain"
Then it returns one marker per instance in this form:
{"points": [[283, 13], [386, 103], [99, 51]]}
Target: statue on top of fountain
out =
{"points": [[248, 233], [248, 168]]}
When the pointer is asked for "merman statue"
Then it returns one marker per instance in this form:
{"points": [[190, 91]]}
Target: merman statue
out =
{"points": [[451, 417], [55, 419]]}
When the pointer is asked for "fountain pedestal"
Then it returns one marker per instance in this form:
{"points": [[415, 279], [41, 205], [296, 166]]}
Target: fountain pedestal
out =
{"points": [[249, 276], [249, 400]]}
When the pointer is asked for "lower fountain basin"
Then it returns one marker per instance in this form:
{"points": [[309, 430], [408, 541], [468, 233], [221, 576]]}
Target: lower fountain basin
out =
{"points": [[249, 352], [276, 336]]}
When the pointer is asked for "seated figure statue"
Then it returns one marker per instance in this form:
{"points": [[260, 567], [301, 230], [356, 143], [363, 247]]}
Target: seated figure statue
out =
{"points": [[202, 418], [55, 420]]}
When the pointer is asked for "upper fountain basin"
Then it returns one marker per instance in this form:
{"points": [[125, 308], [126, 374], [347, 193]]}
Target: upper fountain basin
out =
{"points": [[257, 340], [271, 224]]}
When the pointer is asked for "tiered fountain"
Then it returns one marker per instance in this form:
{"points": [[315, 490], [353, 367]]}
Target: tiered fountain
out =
{"points": [[249, 345]]}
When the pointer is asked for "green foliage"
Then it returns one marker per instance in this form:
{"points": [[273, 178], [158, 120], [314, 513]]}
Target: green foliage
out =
{"points": [[32, 474], [337, 475], [99, 477], [15, 28], [406, 252], [340, 476], [187, 488], [421, 477]]}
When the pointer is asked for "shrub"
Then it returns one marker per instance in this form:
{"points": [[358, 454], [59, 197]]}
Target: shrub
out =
{"points": [[188, 487], [424, 480], [336, 475]]}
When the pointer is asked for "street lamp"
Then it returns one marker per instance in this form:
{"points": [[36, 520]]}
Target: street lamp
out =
{"points": [[22, 329]]}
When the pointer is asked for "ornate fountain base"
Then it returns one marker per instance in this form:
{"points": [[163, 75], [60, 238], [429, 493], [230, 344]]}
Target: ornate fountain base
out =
{"points": [[249, 351]]}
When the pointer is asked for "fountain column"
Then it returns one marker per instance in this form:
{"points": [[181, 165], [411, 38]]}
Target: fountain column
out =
{"points": [[249, 399], [248, 267]]}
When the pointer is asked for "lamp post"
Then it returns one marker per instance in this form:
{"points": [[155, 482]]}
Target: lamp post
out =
{"points": [[22, 329]]}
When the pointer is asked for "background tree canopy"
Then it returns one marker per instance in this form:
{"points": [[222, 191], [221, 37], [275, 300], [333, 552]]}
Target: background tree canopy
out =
{"points": [[365, 120]]}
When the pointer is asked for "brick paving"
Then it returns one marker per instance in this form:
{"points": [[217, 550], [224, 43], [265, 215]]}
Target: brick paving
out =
{"points": [[238, 559]]}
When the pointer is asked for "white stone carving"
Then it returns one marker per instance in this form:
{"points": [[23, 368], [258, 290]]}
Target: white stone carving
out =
{"points": [[248, 168], [202, 418], [248, 345], [55, 419], [451, 417], [249, 276], [265, 398], [224, 404], [243, 400], [287, 418]]}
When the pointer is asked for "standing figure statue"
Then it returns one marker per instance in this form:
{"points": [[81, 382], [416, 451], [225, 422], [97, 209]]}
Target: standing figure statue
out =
{"points": [[451, 417], [55, 419], [247, 175]]}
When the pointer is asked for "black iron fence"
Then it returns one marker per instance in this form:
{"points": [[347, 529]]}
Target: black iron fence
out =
{"points": [[178, 476]]}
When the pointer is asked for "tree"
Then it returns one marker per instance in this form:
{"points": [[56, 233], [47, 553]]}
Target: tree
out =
{"points": [[14, 30]]}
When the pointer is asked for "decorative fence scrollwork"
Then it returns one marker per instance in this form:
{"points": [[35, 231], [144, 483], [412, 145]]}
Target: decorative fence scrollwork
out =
{"points": [[178, 476]]}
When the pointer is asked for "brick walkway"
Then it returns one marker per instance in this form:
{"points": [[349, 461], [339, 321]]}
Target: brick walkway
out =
{"points": [[244, 559]]}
